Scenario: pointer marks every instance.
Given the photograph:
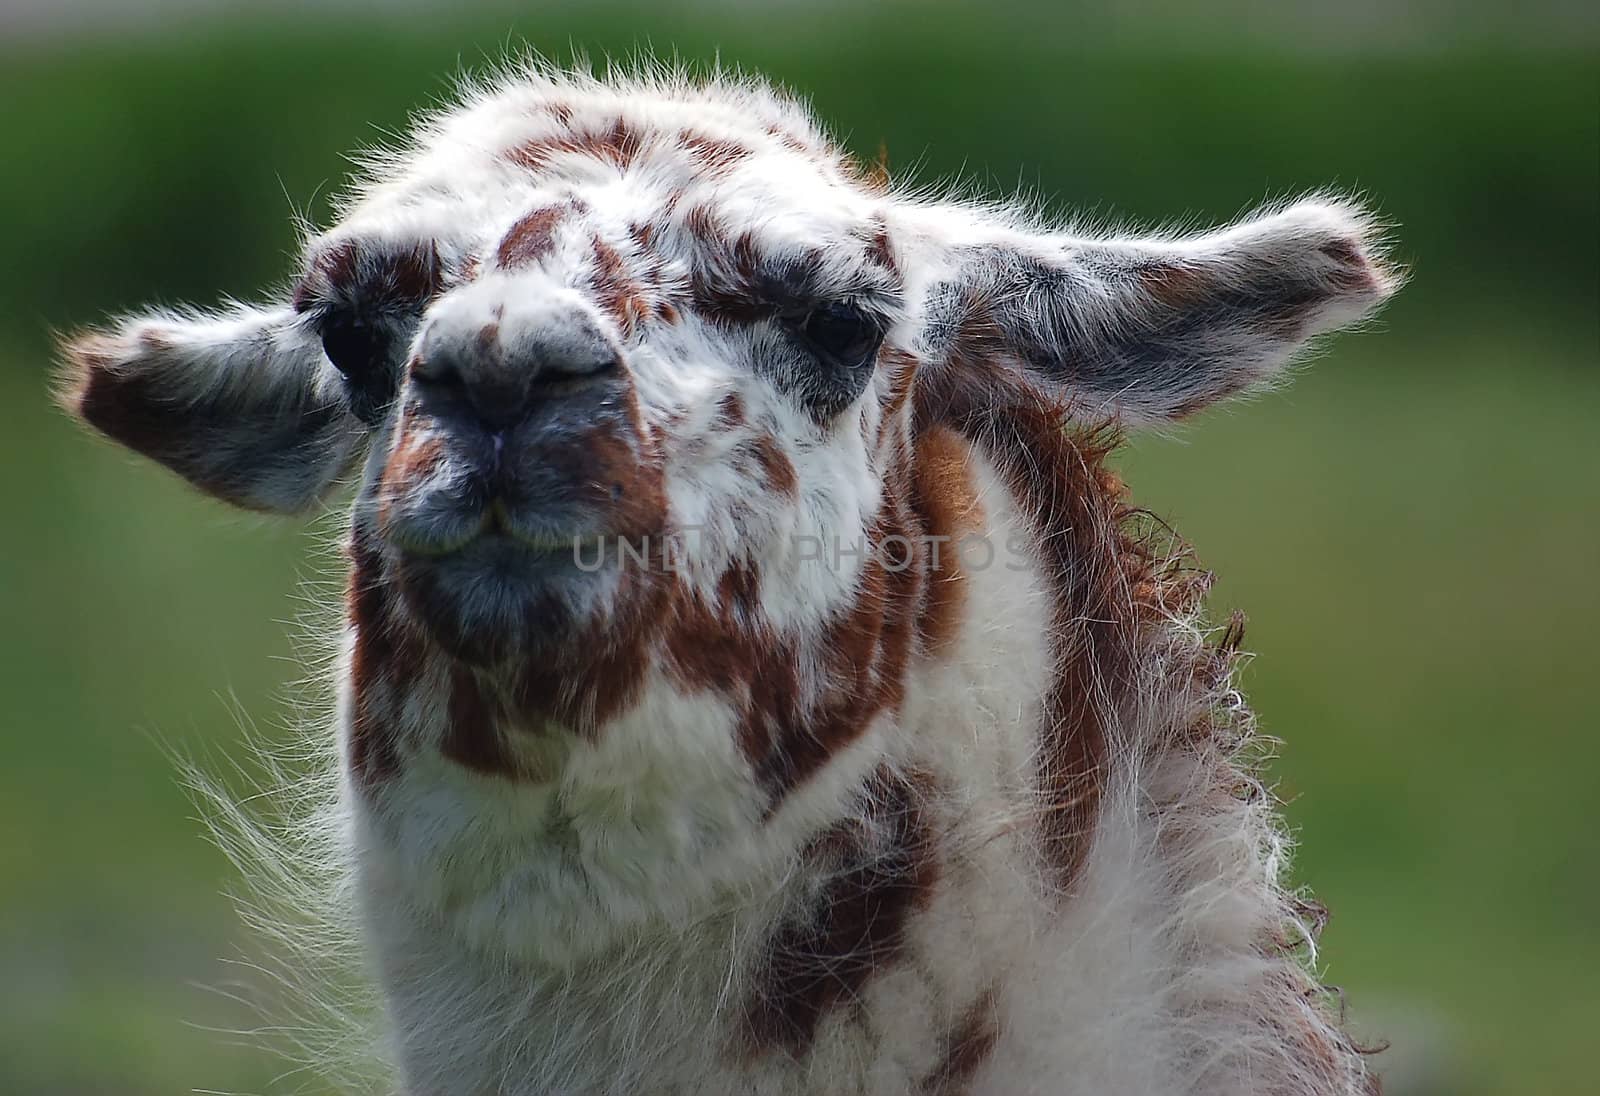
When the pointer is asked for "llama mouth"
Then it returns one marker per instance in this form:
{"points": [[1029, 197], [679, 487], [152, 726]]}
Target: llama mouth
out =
{"points": [[499, 522], [437, 535], [497, 596], [502, 581]]}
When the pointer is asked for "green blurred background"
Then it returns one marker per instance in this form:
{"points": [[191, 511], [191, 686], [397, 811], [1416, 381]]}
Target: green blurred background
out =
{"points": [[1413, 527]]}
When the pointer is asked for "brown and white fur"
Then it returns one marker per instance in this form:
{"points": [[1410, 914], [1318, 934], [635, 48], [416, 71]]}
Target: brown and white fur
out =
{"points": [[729, 703]]}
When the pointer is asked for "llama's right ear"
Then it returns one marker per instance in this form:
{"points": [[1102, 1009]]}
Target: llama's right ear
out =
{"points": [[242, 403]]}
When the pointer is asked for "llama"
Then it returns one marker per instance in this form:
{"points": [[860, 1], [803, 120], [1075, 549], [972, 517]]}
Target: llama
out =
{"points": [[753, 678]]}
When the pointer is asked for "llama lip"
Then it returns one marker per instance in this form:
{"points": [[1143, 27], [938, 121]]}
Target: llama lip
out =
{"points": [[436, 522], [497, 595], [495, 524], [499, 522]]}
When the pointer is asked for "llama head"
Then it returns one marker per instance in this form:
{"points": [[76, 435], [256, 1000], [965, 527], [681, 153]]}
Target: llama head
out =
{"points": [[640, 371]]}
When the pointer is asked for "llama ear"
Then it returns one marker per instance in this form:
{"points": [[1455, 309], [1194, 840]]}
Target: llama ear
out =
{"points": [[1152, 329], [241, 403]]}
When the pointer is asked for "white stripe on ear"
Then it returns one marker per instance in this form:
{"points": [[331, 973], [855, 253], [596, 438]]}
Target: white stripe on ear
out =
{"points": [[1152, 329], [242, 403]]}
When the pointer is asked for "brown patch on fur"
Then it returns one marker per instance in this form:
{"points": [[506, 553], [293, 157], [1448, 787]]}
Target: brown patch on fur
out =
{"points": [[776, 466], [742, 289], [723, 645], [670, 202], [1087, 559], [730, 411], [900, 367], [643, 234], [967, 1046], [473, 737], [706, 227], [726, 305], [880, 249], [483, 343], [868, 647], [615, 290], [718, 155], [1056, 470], [790, 728], [95, 389], [81, 357], [415, 274], [1343, 251], [618, 145], [370, 276], [149, 411], [789, 140], [332, 267], [1176, 286], [881, 868], [1358, 275], [537, 154], [629, 472], [153, 342], [597, 674], [946, 500], [1200, 401], [530, 239], [411, 460], [383, 655]]}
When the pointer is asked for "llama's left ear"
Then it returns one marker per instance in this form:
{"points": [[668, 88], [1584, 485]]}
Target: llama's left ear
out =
{"points": [[243, 403], [1152, 329]]}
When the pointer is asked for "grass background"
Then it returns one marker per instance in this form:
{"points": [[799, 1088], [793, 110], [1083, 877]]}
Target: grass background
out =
{"points": [[1413, 527]]}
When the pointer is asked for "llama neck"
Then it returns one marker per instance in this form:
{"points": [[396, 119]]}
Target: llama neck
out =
{"points": [[906, 920], [878, 958], [873, 918]]}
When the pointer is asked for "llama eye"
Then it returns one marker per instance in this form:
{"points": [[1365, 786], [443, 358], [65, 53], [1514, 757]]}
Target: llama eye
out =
{"points": [[360, 351], [844, 333], [353, 346], [842, 343]]}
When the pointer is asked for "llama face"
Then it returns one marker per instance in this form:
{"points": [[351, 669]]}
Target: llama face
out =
{"points": [[610, 379]]}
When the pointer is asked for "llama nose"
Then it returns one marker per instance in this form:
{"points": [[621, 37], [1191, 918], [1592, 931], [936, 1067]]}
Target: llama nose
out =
{"points": [[507, 369]]}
